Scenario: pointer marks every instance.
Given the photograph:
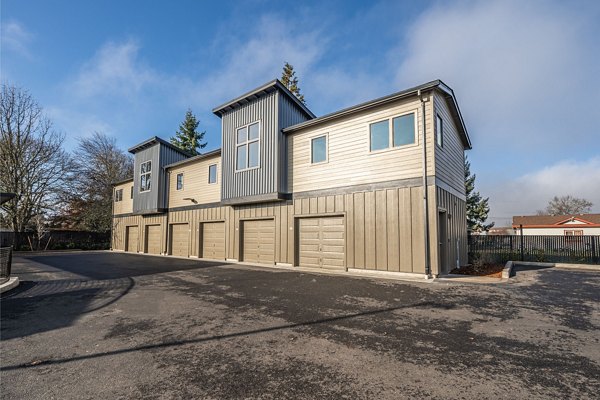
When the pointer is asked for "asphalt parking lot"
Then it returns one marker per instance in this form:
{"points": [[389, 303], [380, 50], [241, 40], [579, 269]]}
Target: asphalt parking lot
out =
{"points": [[105, 325]]}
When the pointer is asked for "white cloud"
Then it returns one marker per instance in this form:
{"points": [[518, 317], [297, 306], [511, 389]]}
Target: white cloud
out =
{"points": [[16, 38], [521, 70], [114, 70], [532, 191]]}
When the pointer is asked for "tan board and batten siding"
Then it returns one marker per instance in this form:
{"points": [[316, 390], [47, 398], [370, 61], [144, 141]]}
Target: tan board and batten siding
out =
{"points": [[195, 183], [350, 161]]}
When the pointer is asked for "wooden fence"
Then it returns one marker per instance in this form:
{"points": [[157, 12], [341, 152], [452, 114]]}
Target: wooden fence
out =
{"points": [[540, 248]]}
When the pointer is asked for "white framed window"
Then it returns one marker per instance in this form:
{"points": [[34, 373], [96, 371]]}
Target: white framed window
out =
{"points": [[318, 149], [439, 131], [212, 173], [180, 181], [118, 195], [393, 132], [145, 176], [574, 233], [247, 147]]}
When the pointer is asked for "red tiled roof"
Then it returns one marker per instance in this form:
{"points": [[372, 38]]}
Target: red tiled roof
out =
{"points": [[537, 220]]}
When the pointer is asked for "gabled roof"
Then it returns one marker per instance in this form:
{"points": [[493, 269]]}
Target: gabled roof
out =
{"points": [[556, 221], [208, 154], [259, 92], [122, 181], [437, 84], [155, 140]]}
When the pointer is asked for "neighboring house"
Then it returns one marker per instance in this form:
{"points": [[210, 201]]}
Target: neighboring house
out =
{"points": [[500, 230], [568, 225], [342, 191]]}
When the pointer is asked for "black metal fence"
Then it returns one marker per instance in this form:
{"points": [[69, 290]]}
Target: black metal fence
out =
{"points": [[547, 248], [5, 263]]}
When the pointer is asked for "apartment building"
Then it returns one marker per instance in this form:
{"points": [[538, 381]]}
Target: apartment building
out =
{"points": [[374, 187]]}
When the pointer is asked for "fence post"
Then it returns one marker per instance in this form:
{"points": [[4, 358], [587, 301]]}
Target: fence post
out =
{"points": [[522, 245], [594, 254]]}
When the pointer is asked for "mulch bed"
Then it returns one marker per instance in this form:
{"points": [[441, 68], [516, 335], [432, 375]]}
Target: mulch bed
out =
{"points": [[488, 270]]}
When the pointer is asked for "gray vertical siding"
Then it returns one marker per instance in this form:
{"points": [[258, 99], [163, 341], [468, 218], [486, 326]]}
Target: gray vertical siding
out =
{"points": [[147, 200], [289, 114], [156, 197], [259, 181]]}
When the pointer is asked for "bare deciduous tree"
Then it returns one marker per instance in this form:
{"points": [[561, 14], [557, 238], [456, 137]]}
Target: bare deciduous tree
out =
{"points": [[98, 163], [32, 160], [566, 205]]}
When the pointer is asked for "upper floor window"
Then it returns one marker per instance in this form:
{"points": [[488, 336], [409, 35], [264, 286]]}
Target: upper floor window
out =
{"points": [[394, 132], [180, 181], [318, 149], [131, 194], [247, 146], [145, 176], [439, 131], [212, 173], [118, 195]]}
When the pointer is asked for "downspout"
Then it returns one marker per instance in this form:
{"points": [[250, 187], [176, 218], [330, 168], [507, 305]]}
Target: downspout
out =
{"points": [[112, 217], [425, 195], [168, 186]]}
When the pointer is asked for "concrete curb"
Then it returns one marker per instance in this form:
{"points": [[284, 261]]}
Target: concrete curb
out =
{"points": [[458, 278], [12, 283], [507, 270], [589, 267]]}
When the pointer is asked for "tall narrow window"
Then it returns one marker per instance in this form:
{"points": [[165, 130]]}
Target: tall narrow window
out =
{"points": [[212, 173], [180, 181], [318, 150], [404, 130], [248, 146], [145, 176], [380, 135], [118, 195], [439, 131], [131, 194]]}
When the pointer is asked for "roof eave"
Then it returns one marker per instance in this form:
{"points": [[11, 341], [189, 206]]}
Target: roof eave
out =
{"points": [[212, 153]]}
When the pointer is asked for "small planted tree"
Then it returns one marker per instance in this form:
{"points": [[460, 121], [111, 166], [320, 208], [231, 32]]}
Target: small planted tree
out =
{"points": [[290, 80], [188, 137]]}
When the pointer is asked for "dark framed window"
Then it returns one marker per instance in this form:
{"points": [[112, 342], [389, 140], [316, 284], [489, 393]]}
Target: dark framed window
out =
{"points": [[118, 195], [180, 181], [131, 194]]}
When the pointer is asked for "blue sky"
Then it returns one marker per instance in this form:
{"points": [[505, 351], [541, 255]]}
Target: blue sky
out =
{"points": [[525, 73]]}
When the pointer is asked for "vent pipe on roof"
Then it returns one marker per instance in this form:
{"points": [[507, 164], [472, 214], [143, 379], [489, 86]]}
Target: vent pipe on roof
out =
{"points": [[425, 195]]}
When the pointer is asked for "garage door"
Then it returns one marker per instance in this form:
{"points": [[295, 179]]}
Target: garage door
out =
{"points": [[153, 239], [259, 241], [213, 240], [322, 242], [131, 240], [180, 240]]}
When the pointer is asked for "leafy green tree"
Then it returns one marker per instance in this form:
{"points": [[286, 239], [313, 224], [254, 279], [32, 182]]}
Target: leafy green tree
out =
{"points": [[566, 205], [477, 207], [290, 80], [187, 137]]}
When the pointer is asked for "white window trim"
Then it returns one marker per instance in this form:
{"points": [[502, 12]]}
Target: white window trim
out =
{"points": [[391, 146], [440, 144], [247, 143], [326, 136], [217, 171], [176, 181], [145, 173]]}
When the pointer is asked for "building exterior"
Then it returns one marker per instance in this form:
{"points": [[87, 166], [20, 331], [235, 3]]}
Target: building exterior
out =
{"points": [[561, 225], [374, 187]]}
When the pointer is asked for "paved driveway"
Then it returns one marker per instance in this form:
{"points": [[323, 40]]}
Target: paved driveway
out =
{"points": [[104, 325]]}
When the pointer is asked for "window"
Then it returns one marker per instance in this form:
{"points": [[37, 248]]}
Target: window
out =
{"points": [[131, 195], [118, 195], [180, 181], [145, 176], [439, 131], [247, 146], [574, 233], [318, 149], [212, 173], [395, 132]]}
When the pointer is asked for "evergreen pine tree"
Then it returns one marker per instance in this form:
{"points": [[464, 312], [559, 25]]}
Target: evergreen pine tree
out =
{"points": [[187, 137], [477, 207], [290, 80]]}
